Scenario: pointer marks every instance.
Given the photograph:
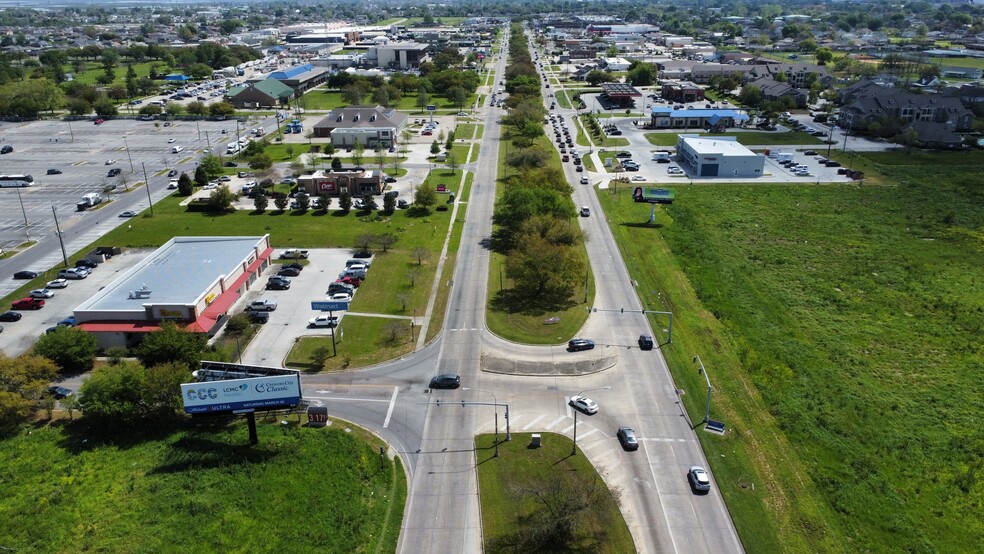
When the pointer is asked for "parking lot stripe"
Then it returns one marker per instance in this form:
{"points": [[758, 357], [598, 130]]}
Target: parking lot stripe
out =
{"points": [[389, 412]]}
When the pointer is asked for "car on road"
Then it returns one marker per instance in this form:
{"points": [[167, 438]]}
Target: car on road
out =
{"points": [[584, 180], [578, 168], [25, 274], [810, 153], [172, 173], [128, 213], [54, 172], [638, 178], [585, 211], [41, 293], [446, 381], [73, 273], [278, 283], [11, 316], [99, 121], [110, 162], [575, 345], [583, 404], [114, 172], [262, 305], [27, 304], [626, 436], [59, 392], [646, 342], [389, 179], [289, 272], [323, 321], [700, 481], [7, 149], [172, 140]]}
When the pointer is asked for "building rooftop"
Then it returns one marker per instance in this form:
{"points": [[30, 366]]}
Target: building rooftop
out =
{"points": [[177, 273], [664, 111], [728, 146]]}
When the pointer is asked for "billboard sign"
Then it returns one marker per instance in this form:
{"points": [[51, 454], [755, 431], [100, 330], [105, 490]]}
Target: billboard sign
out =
{"points": [[242, 395], [330, 306], [653, 195]]}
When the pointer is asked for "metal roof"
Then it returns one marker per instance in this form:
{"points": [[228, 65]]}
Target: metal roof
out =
{"points": [[661, 111], [619, 89]]}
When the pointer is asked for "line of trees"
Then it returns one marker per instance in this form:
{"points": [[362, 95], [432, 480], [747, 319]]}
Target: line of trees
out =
{"points": [[534, 211]]}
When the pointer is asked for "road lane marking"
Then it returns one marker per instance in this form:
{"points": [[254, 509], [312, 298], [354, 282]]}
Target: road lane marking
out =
{"points": [[534, 422], [389, 412], [555, 422], [568, 430], [588, 434], [349, 399]]}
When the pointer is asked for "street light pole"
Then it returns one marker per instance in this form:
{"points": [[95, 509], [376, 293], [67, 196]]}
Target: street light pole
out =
{"points": [[574, 448], [147, 186], [27, 225], [707, 407], [125, 144], [495, 406]]}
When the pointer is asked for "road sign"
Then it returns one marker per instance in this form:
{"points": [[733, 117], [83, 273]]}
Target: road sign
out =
{"points": [[432, 108], [330, 306]]}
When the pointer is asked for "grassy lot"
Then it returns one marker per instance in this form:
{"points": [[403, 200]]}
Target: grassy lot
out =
{"points": [[601, 142], [506, 513], [748, 138], [563, 100], [840, 326], [588, 163], [65, 489], [93, 70], [466, 130], [324, 99], [528, 327]]}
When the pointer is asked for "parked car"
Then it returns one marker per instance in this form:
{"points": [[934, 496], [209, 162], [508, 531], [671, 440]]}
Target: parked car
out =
{"points": [[584, 404], [7, 149], [340, 297], [256, 316], [575, 345], [68, 322], [172, 173], [278, 283], [114, 172], [699, 480], [626, 436], [110, 162], [27, 304], [646, 342], [262, 305], [11, 316], [446, 381], [41, 293], [54, 172], [584, 180], [73, 273], [323, 321], [289, 272], [128, 213], [25, 274], [351, 281], [338, 286], [294, 265], [59, 392]]}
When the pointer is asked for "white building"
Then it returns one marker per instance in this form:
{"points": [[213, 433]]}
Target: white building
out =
{"points": [[615, 64], [718, 157]]}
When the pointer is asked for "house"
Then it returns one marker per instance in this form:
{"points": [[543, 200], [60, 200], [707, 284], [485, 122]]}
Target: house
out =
{"points": [[875, 104], [797, 75], [933, 135], [776, 90], [951, 72], [269, 93], [368, 126]]}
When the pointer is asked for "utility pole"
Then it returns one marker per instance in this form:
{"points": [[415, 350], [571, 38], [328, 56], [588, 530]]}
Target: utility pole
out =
{"points": [[147, 186], [61, 240]]}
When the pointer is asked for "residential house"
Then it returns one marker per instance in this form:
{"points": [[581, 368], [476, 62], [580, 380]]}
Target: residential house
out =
{"points": [[933, 135], [882, 103], [797, 75], [776, 90], [368, 126]]}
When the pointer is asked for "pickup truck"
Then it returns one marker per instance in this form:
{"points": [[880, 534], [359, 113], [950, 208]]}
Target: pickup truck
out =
{"points": [[28, 304], [262, 305], [294, 254]]}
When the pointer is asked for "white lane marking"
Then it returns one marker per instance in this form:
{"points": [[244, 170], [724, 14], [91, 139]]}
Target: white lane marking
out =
{"points": [[588, 434], [349, 399], [555, 422], [568, 407], [515, 418], [535, 420], [389, 412], [568, 430]]}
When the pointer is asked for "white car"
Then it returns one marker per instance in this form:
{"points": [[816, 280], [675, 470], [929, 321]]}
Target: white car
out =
{"points": [[323, 321], [172, 184], [638, 178], [41, 293], [340, 297], [172, 140], [56, 284], [584, 404], [110, 162]]}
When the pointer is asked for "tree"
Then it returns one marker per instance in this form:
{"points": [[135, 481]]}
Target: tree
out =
{"points": [[197, 108], [459, 96], [369, 202], [420, 254], [201, 178], [389, 203], [73, 350], [171, 344], [260, 161], [303, 202], [642, 75], [357, 152], [345, 202], [320, 356], [751, 95], [386, 241], [336, 164], [823, 55], [325, 202], [185, 185], [423, 99], [353, 93], [127, 393], [596, 77], [260, 202], [393, 330], [363, 242], [425, 197], [23, 382], [452, 161], [280, 201], [435, 148], [222, 199], [212, 165]]}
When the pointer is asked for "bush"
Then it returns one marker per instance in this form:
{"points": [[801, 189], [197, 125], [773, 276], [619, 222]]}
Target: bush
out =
{"points": [[72, 349]]}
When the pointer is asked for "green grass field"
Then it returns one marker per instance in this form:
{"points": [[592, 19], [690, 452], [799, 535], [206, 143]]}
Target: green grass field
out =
{"points": [[321, 99], [604, 141], [94, 69], [505, 514], [299, 489], [748, 138], [840, 327]]}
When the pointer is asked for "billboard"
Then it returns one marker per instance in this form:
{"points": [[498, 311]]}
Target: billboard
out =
{"points": [[256, 393], [653, 195]]}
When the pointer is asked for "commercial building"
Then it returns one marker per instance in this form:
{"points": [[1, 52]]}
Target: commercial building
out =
{"points": [[718, 157], [192, 281], [398, 55], [370, 127], [682, 91], [357, 181], [664, 117]]}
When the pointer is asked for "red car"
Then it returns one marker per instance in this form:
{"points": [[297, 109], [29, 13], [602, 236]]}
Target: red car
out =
{"points": [[99, 121], [354, 281], [28, 304]]}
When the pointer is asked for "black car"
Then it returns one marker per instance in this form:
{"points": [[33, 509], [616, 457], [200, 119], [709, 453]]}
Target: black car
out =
{"points": [[627, 437], [362, 254], [289, 272], [446, 381], [575, 345], [172, 173], [59, 392], [810, 153], [6, 149], [256, 316], [278, 283], [114, 172], [831, 163], [645, 342], [390, 179], [86, 264], [25, 274], [294, 265], [54, 172], [231, 164], [402, 204], [11, 316]]}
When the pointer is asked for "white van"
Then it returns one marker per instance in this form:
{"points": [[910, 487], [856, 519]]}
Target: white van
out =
{"points": [[176, 149]]}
